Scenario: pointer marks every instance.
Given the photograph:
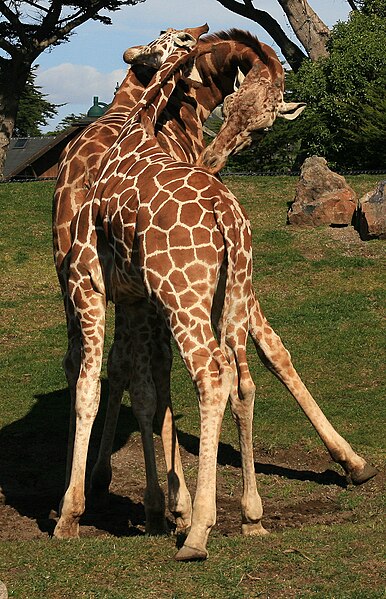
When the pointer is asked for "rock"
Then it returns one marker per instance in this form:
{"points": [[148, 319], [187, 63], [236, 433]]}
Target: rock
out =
{"points": [[371, 214], [322, 196]]}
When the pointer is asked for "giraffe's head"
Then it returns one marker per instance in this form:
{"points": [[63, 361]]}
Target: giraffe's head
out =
{"points": [[155, 53], [248, 113]]}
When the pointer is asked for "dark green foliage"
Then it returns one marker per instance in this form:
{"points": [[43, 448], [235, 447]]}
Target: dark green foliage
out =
{"points": [[34, 111], [345, 95], [373, 7]]}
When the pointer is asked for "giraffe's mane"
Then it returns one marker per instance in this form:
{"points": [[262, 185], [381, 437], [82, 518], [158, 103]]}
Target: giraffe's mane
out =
{"points": [[238, 35]]}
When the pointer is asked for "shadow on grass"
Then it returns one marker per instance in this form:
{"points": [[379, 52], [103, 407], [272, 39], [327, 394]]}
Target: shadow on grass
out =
{"points": [[228, 456], [33, 454], [33, 460]]}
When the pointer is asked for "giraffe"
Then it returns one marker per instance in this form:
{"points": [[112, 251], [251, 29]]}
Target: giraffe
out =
{"points": [[225, 53], [182, 136], [78, 166], [177, 261], [184, 222]]}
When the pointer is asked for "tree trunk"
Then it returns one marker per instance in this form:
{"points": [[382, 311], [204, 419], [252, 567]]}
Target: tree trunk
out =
{"points": [[13, 76], [310, 30]]}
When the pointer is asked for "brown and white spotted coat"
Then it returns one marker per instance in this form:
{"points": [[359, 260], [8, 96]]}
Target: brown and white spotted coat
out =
{"points": [[169, 225]]}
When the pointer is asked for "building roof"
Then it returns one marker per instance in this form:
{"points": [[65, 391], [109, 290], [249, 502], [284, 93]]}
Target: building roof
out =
{"points": [[23, 152]]}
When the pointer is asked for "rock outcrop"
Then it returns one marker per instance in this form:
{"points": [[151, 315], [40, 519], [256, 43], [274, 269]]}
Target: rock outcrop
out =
{"points": [[371, 214], [322, 196]]}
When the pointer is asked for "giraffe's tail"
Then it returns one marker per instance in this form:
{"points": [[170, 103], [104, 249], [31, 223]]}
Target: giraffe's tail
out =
{"points": [[233, 225]]}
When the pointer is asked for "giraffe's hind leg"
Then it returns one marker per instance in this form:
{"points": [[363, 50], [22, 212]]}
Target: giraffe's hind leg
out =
{"points": [[242, 399], [179, 500], [213, 376], [277, 359], [91, 313]]}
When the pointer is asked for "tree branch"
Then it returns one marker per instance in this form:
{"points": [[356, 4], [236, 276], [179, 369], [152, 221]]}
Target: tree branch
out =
{"points": [[7, 47], [62, 32], [293, 54], [13, 19], [35, 5], [352, 4], [308, 27]]}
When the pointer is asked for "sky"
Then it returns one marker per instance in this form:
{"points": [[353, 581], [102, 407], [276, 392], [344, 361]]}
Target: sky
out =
{"points": [[91, 64]]}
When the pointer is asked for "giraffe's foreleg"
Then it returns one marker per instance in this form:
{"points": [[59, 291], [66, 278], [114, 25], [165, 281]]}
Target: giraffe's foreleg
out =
{"points": [[89, 306], [143, 396], [71, 360], [91, 314], [277, 359], [143, 399], [71, 365]]}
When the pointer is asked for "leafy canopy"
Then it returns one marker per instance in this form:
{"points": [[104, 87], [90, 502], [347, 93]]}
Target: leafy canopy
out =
{"points": [[34, 110], [345, 94]]}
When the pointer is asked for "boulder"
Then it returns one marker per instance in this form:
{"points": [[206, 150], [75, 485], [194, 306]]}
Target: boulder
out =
{"points": [[322, 196], [371, 214]]}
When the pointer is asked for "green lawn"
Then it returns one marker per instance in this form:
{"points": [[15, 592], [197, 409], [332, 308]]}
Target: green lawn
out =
{"points": [[323, 291]]}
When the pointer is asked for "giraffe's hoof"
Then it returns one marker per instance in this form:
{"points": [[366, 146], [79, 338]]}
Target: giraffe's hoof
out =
{"points": [[190, 554], [254, 530], [66, 529], [363, 475]]}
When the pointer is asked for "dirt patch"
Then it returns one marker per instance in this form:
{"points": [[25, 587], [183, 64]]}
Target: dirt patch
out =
{"points": [[32, 489], [318, 242]]}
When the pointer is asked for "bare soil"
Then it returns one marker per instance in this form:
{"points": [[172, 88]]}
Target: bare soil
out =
{"points": [[32, 474]]}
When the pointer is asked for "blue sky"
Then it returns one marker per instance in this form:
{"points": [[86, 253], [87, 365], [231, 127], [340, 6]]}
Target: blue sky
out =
{"points": [[91, 64]]}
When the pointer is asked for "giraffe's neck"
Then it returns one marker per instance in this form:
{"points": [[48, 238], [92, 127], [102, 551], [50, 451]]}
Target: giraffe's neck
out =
{"points": [[156, 96], [179, 129], [131, 89]]}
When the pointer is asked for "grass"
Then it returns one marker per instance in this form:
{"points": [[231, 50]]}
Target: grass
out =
{"points": [[323, 291]]}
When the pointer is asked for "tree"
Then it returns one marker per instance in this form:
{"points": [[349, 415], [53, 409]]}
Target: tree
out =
{"points": [[34, 111], [26, 30], [345, 95]]}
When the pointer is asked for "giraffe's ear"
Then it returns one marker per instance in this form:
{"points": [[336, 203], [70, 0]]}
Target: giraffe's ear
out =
{"points": [[291, 110], [184, 40], [196, 32]]}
